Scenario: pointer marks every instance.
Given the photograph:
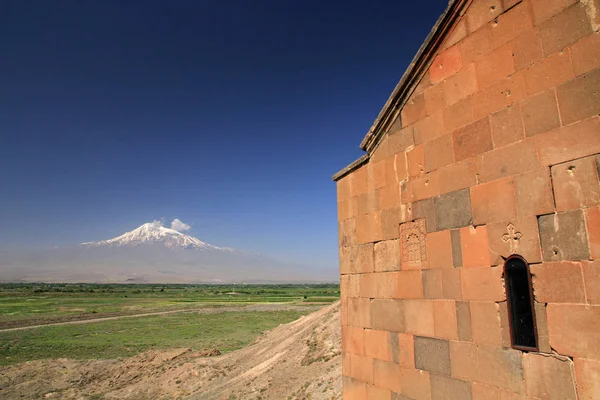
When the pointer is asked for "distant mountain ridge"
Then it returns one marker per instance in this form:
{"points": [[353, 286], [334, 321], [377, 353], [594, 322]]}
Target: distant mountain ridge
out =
{"points": [[153, 253], [154, 232]]}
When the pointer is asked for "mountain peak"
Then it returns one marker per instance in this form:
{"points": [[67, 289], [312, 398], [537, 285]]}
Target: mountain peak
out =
{"points": [[154, 233]]}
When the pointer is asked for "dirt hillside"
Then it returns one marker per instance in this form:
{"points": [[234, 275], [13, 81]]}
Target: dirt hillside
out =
{"points": [[299, 360]]}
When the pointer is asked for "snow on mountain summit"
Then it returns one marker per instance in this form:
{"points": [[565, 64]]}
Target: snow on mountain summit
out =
{"points": [[154, 232]]}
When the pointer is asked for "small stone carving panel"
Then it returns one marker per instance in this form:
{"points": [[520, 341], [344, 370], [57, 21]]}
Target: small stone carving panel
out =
{"points": [[413, 245]]}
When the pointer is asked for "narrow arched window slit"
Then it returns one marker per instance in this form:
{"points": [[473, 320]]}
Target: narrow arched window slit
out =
{"points": [[521, 311]]}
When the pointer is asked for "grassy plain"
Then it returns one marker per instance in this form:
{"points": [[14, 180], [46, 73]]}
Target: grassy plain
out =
{"points": [[28, 304]]}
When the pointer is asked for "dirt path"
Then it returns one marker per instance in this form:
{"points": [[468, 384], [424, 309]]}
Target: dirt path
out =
{"points": [[215, 310]]}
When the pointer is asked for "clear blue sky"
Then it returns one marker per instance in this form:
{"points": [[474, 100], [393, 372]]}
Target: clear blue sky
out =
{"points": [[231, 116]]}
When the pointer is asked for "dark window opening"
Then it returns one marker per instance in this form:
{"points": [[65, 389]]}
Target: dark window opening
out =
{"points": [[519, 295]]}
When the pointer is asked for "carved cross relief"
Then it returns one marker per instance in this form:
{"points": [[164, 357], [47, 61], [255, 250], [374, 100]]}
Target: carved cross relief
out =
{"points": [[512, 237]]}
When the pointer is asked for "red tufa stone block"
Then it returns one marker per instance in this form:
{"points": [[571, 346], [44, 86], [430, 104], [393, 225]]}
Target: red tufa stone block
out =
{"points": [[587, 375], [458, 115], [576, 184], [475, 246], [592, 223], [368, 228], [437, 153], [549, 377], [527, 49], [591, 279], [475, 46], [565, 28], [376, 345], [406, 343], [558, 282], [444, 319], [519, 236], [386, 314], [368, 203], [460, 175], [463, 358], [493, 201], [416, 161], [461, 85], [495, 66], [423, 187], [540, 113], [375, 393], [544, 9], [354, 390], [439, 249], [573, 329], [534, 193], [389, 196], [445, 65], [484, 392], [585, 54], [483, 284], [511, 24], [397, 145], [435, 99], [429, 128], [549, 72], [416, 384], [507, 126], [458, 33], [361, 368], [387, 256], [452, 284], [358, 182], [498, 96], [387, 375], [408, 285], [418, 317], [413, 110], [485, 322], [359, 312], [569, 142], [432, 284], [482, 12], [579, 98], [353, 340], [472, 140], [501, 367], [506, 161]]}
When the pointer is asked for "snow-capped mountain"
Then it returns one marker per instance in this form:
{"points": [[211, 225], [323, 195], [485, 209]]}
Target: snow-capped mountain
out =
{"points": [[153, 253], [154, 232]]}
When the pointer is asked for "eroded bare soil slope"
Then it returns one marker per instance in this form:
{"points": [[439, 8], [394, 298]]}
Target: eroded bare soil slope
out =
{"points": [[299, 360]]}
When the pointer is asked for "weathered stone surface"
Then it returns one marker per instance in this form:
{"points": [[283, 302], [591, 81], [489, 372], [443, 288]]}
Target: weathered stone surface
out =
{"points": [[432, 355], [446, 388], [576, 184], [453, 210], [563, 236], [456, 248], [549, 377], [574, 329], [387, 314], [425, 209], [558, 282], [387, 256]]}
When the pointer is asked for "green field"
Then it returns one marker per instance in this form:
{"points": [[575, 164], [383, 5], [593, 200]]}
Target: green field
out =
{"points": [[228, 329]]}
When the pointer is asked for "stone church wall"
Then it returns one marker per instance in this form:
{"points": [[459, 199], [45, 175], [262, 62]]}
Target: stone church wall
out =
{"points": [[496, 152]]}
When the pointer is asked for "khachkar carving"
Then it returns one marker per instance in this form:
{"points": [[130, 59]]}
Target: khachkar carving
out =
{"points": [[413, 245], [512, 237]]}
